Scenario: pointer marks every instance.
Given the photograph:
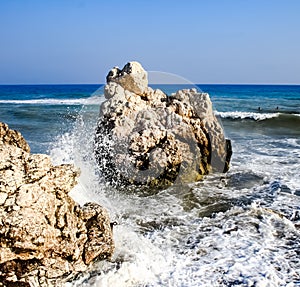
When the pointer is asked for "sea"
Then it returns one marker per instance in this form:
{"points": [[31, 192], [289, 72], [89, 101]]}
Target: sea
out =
{"points": [[241, 228]]}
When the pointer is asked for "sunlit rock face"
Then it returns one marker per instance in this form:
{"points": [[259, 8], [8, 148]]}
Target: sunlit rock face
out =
{"points": [[145, 137], [44, 235]]}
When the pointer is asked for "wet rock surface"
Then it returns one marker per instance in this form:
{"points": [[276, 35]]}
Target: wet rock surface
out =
{"points": [[45, 237], [145, 137]]}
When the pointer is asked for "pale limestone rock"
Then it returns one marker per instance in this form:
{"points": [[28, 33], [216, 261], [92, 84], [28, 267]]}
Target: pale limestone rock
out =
{"points": [[132, 78], [44, 234], [3, 196], [13, 138], [145, 137]]}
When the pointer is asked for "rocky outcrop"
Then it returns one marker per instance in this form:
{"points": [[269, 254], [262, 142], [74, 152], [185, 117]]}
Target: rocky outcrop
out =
{"points": [[45, 237], [146, 137]]}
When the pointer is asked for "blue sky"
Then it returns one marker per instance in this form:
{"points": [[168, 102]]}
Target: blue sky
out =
{"points": [[77, 41]]}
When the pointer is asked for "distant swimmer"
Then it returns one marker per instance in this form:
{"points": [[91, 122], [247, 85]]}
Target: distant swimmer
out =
{"points": [[112, 224], [259, 108], [277, 108]]}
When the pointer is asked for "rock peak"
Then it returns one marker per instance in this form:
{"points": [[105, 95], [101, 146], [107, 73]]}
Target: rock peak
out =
{"points": [[132, 77]]}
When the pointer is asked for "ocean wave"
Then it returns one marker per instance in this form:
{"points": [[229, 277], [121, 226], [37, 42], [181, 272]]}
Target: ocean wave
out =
{"points": [[282, 124], [247, 115], [93, 100]]}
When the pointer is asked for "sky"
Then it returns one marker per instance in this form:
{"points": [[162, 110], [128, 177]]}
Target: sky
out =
{"points": [[216, 41]]}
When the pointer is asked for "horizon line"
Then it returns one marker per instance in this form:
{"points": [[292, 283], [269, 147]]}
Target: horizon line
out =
{"points": [[73, 84]]}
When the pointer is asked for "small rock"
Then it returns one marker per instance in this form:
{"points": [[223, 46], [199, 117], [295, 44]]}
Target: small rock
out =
{"points": [[132, 78]]}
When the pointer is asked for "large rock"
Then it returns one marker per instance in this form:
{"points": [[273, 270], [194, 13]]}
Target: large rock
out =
{"points": [[44, 235], [145, 137]]}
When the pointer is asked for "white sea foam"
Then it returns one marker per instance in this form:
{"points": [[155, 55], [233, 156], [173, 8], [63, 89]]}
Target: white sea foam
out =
{"points": [[93, 100], [161, 239], [247, 115]]}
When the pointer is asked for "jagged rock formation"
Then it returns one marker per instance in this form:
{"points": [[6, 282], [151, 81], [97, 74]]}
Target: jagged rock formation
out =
{"points": [[44, 235], [145, 137]]}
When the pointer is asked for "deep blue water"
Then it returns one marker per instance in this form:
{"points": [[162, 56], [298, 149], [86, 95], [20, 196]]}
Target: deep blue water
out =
{"points": [[42, 112], [269, 98]]}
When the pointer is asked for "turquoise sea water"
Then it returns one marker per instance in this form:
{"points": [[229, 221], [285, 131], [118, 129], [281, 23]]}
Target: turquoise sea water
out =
{"points": [[238, 229]]}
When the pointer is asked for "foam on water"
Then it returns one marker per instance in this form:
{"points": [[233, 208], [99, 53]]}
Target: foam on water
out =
{"points": [[247, 115], [276, 159], [239, 229], [93, 100]]}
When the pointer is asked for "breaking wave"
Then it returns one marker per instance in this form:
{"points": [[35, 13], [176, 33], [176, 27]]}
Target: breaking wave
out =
{"points": [[93, 100], [246, 115], [257, 116]]}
